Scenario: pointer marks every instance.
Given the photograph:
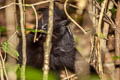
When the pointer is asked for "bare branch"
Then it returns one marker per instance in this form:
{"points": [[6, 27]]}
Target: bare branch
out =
{"points": [[23, 40], [48, 45], [36, 17], [65, 9], [7, 5]]}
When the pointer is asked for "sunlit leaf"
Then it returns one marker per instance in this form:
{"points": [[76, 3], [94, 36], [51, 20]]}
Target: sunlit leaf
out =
{"points": [[33, 30], [101, 35], [9, 49], [113, 10]]}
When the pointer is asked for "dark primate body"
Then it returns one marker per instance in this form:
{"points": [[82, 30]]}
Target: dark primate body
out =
{"points": [[63, 53]]}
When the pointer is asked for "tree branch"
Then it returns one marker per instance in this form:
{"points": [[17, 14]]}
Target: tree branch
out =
{"points": [[23, 40], [48, 44]]}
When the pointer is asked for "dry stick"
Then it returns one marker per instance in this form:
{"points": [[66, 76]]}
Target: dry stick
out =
{"points": [[108, 18], [23, 40], [93, 54], [35, 4], [117, 41], [65, 9], [47, 44], [114, 3], [3, 66], [36, 17], [100, 67], [67, 74]]}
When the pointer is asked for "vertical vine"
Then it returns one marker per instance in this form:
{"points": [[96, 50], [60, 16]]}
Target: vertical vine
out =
{"points": [[23, 39]]}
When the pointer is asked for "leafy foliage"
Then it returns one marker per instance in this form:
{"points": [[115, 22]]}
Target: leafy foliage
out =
{"points": [[10, 49]]}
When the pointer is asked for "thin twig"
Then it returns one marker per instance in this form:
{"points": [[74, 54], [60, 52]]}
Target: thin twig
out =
{"points": [[67, 73], [7, 5], [3, 66], [27, 5], [71, 76], [74, 6], [65, 9], [114, 3], [101, 16], [42, 2], [98, 46], [108, 18], [36, 17], [1, 69]]}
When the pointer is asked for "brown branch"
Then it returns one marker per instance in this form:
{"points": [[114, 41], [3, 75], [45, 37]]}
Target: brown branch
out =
{"points": [[48, 45], [65, 9]]}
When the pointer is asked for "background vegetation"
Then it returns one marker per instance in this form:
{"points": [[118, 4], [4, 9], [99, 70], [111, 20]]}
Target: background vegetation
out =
{"points": [[94, 23]]}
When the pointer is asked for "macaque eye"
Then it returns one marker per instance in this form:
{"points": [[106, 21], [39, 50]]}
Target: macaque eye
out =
{"points": [[44, 27]]}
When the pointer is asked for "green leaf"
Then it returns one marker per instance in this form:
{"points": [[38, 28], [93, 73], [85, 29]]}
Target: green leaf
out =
{"points": [[115, 57], [113, 10], [3, 29], [101, 36], [18, 28], [100, 1], [9, 48], [33, 30]]}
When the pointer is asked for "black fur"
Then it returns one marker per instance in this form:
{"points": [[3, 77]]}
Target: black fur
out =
{"points": [[63, 51]]}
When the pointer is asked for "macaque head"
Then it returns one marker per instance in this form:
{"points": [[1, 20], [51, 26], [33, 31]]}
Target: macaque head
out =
{"points": [[60, 23]]}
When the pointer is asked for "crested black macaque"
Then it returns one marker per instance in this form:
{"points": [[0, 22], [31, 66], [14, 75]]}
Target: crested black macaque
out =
{"points": [[63, 53]]}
